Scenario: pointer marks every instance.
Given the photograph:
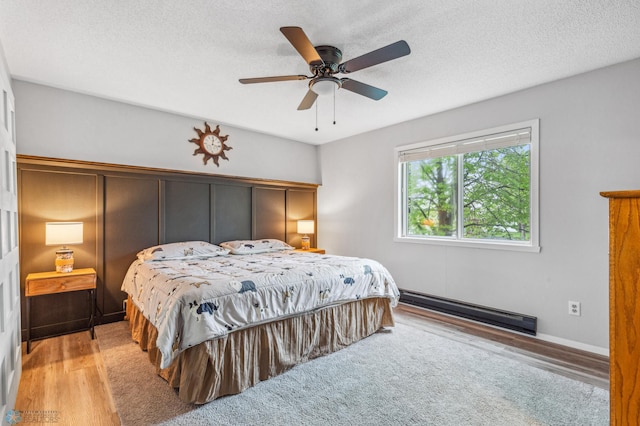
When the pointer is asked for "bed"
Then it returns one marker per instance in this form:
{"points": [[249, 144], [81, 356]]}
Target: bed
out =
{"points": [[216, 320]]}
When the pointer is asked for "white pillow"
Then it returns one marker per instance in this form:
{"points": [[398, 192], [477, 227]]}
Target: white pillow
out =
{"points": [[255, 246], [183, 250]]}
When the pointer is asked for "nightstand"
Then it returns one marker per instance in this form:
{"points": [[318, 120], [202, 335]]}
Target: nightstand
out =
{"points": [[311, 250], [41, 283]]}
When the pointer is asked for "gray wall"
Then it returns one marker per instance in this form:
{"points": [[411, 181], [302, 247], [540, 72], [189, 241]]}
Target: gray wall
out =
{"points": [[66, 125], [589, 142], [62, 124]]}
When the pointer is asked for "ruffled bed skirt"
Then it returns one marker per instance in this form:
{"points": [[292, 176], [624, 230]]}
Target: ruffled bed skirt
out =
{"points": [[233, 363]]}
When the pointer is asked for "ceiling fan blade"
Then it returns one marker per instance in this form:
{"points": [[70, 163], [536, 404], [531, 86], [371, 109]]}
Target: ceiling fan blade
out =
{"points": [[363, 89], [384, 54], [299, 40], [272, 79], [308, 100]]}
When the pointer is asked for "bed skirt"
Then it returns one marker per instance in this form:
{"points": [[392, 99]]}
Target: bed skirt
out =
{"points": [[233, 363]]}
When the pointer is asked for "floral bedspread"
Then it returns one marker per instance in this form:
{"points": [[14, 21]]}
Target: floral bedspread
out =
{"points": [[191, 301]]}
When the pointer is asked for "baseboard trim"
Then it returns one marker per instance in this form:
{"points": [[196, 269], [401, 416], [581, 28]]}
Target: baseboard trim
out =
{"points": [[57, 329], [573, 344], [112, 317]]}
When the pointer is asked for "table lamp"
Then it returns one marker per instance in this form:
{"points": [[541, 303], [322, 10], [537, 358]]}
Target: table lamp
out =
{"points": [[306, 227], [62, 234]]}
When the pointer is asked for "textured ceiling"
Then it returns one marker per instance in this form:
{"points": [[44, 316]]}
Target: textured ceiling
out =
{"points": [[187, 56]]}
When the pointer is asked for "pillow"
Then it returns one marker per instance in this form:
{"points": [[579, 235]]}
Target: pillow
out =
{"points": [[183, 250], [255, 246]]}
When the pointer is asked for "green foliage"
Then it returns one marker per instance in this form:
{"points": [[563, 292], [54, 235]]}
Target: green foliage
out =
{"points": [[496, 188], [496, 194], [432, 194]]}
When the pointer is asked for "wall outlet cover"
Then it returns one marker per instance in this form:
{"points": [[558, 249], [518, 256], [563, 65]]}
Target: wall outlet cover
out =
{"points": [[574, 308]]}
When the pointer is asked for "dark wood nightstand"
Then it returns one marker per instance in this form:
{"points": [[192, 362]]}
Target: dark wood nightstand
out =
{"points": [[311, 250], [41, 283]]}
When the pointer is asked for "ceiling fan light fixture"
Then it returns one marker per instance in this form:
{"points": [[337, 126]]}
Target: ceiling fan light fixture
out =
{"points": [[324, 86], [324, 61]]}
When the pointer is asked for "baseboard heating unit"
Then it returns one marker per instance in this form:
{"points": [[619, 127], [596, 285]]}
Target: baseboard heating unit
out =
{"points": [[509, 320]]}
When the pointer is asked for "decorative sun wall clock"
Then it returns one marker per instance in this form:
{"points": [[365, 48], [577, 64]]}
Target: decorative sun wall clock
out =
{"points": [[210, 144]]}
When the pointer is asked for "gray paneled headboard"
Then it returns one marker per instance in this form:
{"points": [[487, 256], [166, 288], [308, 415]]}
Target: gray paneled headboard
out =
{"points": [[125, 209]]}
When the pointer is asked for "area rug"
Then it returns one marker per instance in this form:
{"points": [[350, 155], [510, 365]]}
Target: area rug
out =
{"points": [[402, 376]]}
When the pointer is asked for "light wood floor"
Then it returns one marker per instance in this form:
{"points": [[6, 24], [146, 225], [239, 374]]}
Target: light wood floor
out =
{"points": [[65, 376], [64, 382]]}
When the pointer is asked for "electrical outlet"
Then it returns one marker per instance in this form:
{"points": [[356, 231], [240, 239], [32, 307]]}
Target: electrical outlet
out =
{"points": [[574, 308]]}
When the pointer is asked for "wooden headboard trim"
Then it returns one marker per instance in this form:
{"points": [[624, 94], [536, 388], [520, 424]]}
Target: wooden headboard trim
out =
{"points": [[110, 167]]}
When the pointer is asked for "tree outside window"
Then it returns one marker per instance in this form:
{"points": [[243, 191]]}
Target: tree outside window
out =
{"points": [[477, 189]]}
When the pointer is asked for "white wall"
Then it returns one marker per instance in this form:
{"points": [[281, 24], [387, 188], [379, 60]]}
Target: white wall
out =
{"points": [[589, 142], [62, 124]]}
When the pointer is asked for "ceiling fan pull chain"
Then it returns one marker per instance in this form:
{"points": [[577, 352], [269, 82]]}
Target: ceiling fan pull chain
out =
{"points": [[334, 106], [316, 116]]}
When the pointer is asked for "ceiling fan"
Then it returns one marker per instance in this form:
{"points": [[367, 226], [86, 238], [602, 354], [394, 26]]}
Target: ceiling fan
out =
{"points": [[325, 62]]}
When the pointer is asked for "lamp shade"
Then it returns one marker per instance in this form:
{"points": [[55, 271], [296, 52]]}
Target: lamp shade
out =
{"points": [[306, 226], [63, 233]]}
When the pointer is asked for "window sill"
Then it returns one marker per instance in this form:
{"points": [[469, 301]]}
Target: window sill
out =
{"points": [[509, 246]]}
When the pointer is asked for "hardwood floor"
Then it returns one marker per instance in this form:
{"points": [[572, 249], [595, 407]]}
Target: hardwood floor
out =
{"points": [[64, 377], [64, 382]]}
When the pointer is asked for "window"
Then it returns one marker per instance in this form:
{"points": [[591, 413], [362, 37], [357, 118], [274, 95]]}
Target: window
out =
{"points": [[478, 189]]}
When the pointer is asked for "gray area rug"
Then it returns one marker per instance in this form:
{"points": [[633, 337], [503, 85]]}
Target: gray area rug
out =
{"points": [[405, 376]]}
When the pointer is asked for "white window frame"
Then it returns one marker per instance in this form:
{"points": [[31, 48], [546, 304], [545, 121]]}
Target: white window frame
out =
{"points": [[400, 214]]}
